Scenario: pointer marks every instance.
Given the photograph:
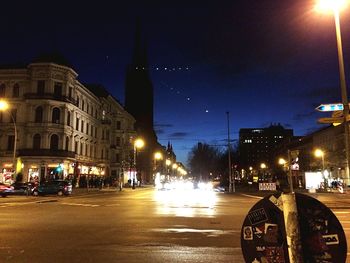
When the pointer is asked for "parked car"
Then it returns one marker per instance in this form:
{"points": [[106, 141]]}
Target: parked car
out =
{"points": [[59, 187], [6, 190], [21, 188]]}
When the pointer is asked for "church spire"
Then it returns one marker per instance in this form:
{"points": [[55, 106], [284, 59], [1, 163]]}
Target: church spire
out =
{"points": [[139, 58]]}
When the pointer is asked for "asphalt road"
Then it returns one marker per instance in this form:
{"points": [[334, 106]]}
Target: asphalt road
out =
{"points": [[141, 225]]}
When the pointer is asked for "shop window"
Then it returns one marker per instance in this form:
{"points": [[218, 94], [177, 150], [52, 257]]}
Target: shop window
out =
{"points": [[36, 141], [15, 91], [54, 142], [56, 115], [39, 114]]}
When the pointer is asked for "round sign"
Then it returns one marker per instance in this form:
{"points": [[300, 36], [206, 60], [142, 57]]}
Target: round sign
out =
{"points": [[263, 237]]}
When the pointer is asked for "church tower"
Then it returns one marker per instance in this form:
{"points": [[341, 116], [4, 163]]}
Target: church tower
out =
{"points": [[139, 103]]}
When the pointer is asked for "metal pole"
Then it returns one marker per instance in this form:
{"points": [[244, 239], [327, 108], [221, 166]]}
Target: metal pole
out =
{"points": [[14, 144], [290, 173], [290, 214], [231, 180], [343, 93]]}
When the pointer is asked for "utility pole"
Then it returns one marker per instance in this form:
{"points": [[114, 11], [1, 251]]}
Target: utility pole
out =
{"points": [[231, 180]]}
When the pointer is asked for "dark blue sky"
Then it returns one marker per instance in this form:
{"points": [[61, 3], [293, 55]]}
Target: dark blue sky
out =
{"points": [[264, 61]]}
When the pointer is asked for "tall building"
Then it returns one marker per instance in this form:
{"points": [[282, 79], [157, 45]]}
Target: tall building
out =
{"points": [[258, 145], [139, 103], [63, 128]]}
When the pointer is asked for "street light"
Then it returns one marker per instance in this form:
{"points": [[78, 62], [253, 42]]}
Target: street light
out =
{"points": [[319, 153], [4, 107], [335, 6], [138, 144]]}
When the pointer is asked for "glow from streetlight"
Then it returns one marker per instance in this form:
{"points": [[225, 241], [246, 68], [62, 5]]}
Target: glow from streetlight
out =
{"points": [[167, 162], [139, 143], [281, 161], [331, 5], [319, 153], [158, 156], [262, 166], [174, 166], [3, 105]]}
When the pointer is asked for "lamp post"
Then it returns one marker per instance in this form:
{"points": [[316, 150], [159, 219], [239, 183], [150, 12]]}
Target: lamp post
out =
{"points": [[336, 6], [138, 144], [319, 153], [4, 107], [157, 157]]}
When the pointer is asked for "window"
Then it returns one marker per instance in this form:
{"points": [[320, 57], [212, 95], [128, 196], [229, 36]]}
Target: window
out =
{"points": [[36, 141], [67, 143], [118, 141], [78, 101], [70, 91], [82, 126], [91, 150], [57, 89], [15, 91], [95, 132], [88, 108], [68, 118], [77, 124], [10, 142], [76, 147], [87, 128], [119, 125], [83, 105], [41, 87], [38, 114], [92, 130], [56, 115], [117, 158], [102, 154], [2, 90], [107, 134], [54, 142], [1, 116]]}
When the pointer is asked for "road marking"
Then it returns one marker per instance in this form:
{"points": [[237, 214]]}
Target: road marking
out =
{"points": [[76, 204], [113, 205], [253, 196]]}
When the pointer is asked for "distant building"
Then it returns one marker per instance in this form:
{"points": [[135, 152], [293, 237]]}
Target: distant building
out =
{"points": [[65, 129], [258, 145]]}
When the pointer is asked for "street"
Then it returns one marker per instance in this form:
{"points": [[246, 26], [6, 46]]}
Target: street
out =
{"points": [[141, 225]]}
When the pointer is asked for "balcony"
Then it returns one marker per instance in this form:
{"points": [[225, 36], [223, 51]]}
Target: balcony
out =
{"points": [[46, 152], [50, 96]]}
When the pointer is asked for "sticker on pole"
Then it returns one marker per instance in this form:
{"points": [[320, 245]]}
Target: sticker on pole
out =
{"points": [[263, 237]]}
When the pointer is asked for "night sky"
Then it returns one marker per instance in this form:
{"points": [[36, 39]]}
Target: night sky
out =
{"points": [[264, 61]]}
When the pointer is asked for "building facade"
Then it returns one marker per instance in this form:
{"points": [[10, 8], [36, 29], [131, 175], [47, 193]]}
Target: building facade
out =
{"points": [[258, 145], [64, 129]]}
